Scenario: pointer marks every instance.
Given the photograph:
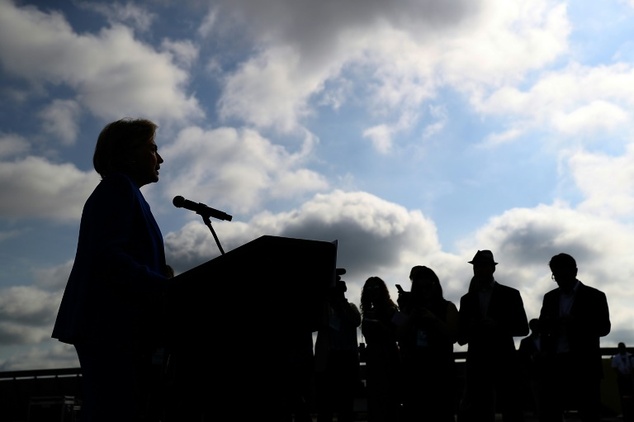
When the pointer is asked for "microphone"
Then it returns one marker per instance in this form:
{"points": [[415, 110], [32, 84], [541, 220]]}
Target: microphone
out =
{"points": [[200, 208]]}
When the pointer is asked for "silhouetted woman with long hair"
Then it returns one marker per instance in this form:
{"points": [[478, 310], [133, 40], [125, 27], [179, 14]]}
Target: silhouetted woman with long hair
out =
{"points": [[426, 344], [382, 356]]}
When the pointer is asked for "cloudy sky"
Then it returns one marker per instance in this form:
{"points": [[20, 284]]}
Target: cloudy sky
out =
{"points": [[412, 132]]}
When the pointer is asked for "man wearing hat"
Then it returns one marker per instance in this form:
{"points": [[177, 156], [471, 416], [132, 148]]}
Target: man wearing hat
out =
{"points": [[490, 316]]}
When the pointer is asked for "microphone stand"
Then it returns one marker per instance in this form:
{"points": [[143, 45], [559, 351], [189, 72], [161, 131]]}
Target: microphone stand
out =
{"points": [[167, 365], [213, 232]]}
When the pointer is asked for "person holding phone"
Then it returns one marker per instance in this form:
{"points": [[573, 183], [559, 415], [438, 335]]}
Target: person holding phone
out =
{"points": [[426, 344]]}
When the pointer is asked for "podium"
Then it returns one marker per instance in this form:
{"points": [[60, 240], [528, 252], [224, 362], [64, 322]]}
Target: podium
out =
{"points": [[233, 324]]}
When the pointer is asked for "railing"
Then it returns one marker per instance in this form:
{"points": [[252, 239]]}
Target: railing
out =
{"points": [[35, 395], [39, 395]]}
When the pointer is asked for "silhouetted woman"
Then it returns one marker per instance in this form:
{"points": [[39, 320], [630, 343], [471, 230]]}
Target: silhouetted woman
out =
{"points": [[111, 307], [426, 344], [382, 357]]}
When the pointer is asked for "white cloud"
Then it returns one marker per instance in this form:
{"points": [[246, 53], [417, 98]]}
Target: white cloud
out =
{"points": [[61, 190], [508, 136], [237, 168], [271, 90], [381, 137], [53, 278], [108, 71], [23, 307], [13, 144], [574, 101], [607, 183], [51, 354], [59, 119], [440, 116], [374, 235], [406, 52], [503, 43], [185, 52], [208, 23], [139, 17], [317, 26], [597, 116]]}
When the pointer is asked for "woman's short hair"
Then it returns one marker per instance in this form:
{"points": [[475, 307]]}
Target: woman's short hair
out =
{"points": [[117, 140]]}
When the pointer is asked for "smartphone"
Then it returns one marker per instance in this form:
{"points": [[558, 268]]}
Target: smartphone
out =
{"points": [[399, 288]]}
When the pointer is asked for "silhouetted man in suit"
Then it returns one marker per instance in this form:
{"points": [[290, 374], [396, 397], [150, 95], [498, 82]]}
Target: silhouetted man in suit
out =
{"points": [[490, 315], [573, 318]]}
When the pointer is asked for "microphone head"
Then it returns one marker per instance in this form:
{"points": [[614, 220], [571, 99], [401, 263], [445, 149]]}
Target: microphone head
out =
{"points": [[178, 201]]}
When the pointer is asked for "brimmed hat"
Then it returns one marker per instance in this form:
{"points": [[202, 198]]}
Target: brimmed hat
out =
{"points": [[483, 257]]}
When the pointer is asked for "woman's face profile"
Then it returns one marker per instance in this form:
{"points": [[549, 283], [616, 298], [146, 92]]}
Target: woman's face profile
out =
{"points": [[146, 162]]}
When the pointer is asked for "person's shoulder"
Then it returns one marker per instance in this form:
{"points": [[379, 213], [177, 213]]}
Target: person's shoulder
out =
{"points": [[450, 303], [451, 307], [590, 289], [550, 297], [552, 292], [113, 189], [505, 288], [115, 181]]}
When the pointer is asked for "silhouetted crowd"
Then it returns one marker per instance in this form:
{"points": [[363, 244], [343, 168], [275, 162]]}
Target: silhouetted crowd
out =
{"points": [[114, 312], [408, 343]]}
